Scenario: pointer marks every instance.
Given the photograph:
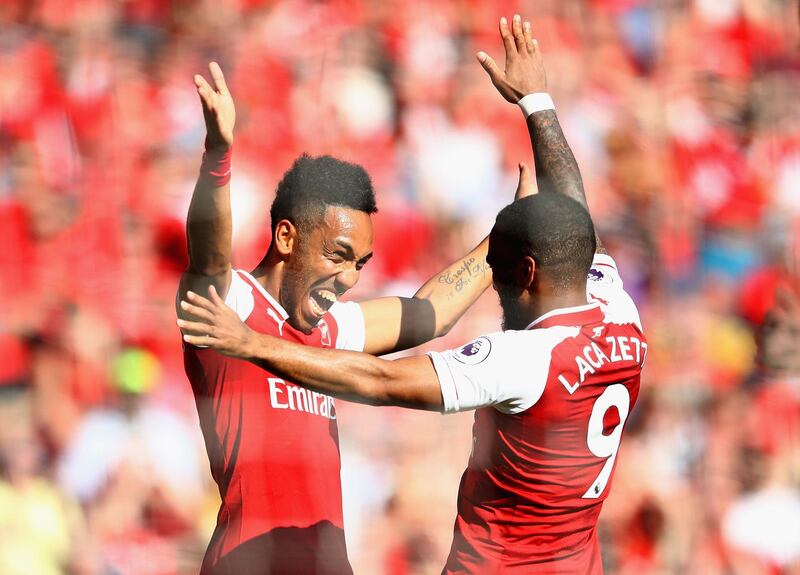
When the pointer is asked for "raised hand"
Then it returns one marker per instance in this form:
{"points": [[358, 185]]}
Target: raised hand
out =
{"points": [[218, 109], [524, 70], [219, 326]]}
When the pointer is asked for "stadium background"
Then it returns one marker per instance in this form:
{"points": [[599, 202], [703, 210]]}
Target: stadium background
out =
{"points": [[683, 117]]}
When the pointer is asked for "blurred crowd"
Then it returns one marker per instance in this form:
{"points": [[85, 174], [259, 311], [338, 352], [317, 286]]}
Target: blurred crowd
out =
{"points": [[680, 115]]}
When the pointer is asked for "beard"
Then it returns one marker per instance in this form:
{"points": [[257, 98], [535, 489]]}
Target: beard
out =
{"points": [[513, 318], [292, 289]]}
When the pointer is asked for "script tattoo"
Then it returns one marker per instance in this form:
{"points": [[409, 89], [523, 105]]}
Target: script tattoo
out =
{"points": [[556, 168], [461, 276]]}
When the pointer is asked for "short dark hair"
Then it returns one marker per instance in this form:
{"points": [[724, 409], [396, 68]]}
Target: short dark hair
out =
{"points": [[314, 183], [555, 230]]}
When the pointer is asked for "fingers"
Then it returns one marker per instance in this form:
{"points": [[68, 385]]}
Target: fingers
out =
{"points": [[530, 42], [200, 82], [197, 311], [214, 296], [197, 328], [490, 66], [508, 39], [519, 36], [218, 77], [198, 340], [200, 301], [526, 185], [205, 90]]}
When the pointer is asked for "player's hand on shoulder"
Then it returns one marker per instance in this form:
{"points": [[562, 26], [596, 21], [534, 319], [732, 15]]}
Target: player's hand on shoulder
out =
{"points": [[524, 70], [218, 109], [215, 325]]}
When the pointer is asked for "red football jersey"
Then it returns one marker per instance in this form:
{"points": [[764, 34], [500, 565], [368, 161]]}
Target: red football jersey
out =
{"points": [[552, 404], [273, 447]]}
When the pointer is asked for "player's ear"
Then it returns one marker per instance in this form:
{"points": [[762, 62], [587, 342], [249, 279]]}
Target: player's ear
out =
{"points": [[524, 272], [285, 237]]}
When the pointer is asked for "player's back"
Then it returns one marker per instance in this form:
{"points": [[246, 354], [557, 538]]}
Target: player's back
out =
{"points": [[542, 463], [274, 452]]}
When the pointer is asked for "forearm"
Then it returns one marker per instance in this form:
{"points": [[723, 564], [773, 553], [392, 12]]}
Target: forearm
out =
{"points": [[453, 290], [209, 226], [396, 323], [556, 168], [208, 223], [347, 375]]}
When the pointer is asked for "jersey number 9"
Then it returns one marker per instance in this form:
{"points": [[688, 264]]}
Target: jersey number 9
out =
{"points": [[603, 445]]}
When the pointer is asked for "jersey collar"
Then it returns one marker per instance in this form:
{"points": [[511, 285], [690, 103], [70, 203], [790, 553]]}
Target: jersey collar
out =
{"points": [[569, 316], [272, 301]]}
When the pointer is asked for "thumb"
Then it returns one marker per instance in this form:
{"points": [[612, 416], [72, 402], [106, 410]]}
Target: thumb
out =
{"points": [[489, 65], [526, 186]]}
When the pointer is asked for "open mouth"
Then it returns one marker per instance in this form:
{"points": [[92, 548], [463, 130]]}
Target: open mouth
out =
{"points": [[321, 301]]}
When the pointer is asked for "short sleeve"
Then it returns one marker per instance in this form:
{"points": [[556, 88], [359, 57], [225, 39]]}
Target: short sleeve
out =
{"points": [[240, 296], [605, 285], [352, 332], [506, 370]]}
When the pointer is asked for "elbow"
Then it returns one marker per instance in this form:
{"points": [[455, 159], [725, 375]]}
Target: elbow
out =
{"points": [[209, 266], [211, 271], [445, 328]]}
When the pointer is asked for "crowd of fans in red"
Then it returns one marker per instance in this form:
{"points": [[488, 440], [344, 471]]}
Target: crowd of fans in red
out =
{"points": [[681, 117]]}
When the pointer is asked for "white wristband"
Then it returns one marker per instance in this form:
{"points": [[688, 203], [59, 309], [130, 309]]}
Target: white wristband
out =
{"points": [[536, 102]]}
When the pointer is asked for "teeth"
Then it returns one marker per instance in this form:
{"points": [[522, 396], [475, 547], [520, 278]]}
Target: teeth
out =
{"points": [[315, 307], [328, 296], [322, 300]]}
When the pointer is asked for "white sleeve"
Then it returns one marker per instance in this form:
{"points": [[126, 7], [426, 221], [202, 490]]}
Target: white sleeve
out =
{"points": [[507, 370], [605, 285], [240, 296], [352, 332]]}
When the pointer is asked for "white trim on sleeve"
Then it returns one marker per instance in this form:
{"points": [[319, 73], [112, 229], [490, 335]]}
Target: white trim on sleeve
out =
{"points": [[446, 383], [352, 331]]}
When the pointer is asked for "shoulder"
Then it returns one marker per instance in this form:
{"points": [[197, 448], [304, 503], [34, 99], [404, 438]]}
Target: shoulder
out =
{"points": [[240, 297], [507, 370], [604, 284], [508, 348], [604, 272]]}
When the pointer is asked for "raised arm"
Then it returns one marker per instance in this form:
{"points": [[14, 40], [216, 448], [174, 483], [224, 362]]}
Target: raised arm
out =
{"points": [[524, 75], [394, 323], [208, 223]]}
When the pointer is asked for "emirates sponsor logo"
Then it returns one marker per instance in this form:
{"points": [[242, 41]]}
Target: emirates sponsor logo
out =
{"points": [[283, 395]]}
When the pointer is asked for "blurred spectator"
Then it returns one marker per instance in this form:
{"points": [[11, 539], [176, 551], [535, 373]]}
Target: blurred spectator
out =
{"points": [[683, 116]]}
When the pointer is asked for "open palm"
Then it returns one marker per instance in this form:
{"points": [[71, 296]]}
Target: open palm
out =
{"points": [[218, 109]]}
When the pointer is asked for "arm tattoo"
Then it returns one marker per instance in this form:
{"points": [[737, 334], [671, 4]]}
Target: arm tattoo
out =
{"points": [[556, 168], [460, 277]]}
